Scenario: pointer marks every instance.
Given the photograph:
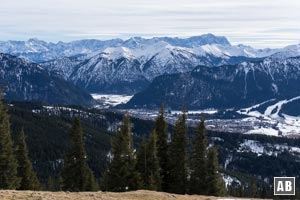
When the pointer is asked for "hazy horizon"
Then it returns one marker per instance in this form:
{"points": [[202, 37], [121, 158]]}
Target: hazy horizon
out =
{"points": [[124, 39], [258, 23]]}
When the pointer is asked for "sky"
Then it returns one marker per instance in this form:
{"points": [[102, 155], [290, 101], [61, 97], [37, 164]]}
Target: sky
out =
{"points": [[259, 23]]}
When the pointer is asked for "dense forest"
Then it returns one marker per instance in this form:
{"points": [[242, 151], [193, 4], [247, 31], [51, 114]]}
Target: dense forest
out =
{"points": [[43, 138]]}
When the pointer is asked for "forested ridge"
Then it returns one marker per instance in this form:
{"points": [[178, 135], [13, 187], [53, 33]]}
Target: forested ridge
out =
{"points": [[47, 134]]}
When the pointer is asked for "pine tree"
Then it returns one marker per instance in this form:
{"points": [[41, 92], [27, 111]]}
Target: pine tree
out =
{"points": [[153, 163], [29, 180], [51, 184], [215, 183], [264, 191], [161, 130], [241, 191], [121, 174], [91, 183], [253, 188], [234, 189], [142, 163], [178, 156], [198, 160], [147, 163], [76, 174], [8, 162]]}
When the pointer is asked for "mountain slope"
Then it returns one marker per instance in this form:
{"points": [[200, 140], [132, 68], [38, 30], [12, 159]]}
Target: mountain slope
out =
{"points": [[129, 70], [227, 86], [22, 80], [126, 67]]}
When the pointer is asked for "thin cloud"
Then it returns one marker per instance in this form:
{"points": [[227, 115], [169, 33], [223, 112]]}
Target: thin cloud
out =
{"points": [[261, 23]]}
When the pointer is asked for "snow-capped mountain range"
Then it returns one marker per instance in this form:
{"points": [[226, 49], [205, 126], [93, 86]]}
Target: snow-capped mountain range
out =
{"points": [[118, 66], [40, 51], [201, 72], [129, 66]]}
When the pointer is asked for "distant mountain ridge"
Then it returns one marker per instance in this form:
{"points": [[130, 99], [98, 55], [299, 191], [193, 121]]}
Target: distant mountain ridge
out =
{"points": [[125, 70], [39, 51], [228, 86], [128, 66], [23, 80]]}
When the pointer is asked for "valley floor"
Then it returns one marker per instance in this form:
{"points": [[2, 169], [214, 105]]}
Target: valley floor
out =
{"points": [[135, 195]]}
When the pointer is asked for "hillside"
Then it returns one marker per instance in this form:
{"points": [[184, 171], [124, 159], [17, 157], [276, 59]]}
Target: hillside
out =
{"points": [[229, 86], [136, 195], [23, 80], [47, 133]]}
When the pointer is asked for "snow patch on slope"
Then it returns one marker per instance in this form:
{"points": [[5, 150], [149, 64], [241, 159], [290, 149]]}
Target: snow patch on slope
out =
{"points": [[108, 100]]}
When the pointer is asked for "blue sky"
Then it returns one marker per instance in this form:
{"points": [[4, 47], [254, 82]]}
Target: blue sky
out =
{"points": [[259, 23]]}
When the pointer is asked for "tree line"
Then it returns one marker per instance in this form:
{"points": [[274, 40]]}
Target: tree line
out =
{"points": [[164, 163], [16, 170], [161, 163]]}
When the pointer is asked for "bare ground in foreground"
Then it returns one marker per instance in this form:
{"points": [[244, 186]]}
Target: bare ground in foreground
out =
{"points": [[135, 195]]}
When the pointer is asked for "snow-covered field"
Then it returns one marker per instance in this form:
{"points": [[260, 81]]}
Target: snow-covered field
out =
{"points": [[108, 100], [253, 120], [274, 122]]}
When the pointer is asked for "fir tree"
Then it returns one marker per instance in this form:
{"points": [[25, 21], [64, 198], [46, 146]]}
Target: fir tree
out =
{"points": [[264, 191], [161, 130], [178, 156], [121, 174], [76, 174], [51, 184], [234, 189], [29, 180], [147, 163], [241, 190], [215, 183], [153, 163], [91, 183], [198, 160], [8, 162], [142, 163], [253, 188]]}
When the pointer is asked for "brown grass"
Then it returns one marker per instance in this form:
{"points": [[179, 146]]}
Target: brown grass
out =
{"points": [[135, 195]]}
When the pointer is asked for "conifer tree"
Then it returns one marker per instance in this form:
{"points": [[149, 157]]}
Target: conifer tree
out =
{"points": [[147, 163], [29, 180], [142, 163], [241, 190], [8, 162], [264, 191], [198, 163], [91, 183], [215, 183], [51, 184], [253, 188], [121, 174], [178, 156], [76, 174], [154, 176], [161, 130]]}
